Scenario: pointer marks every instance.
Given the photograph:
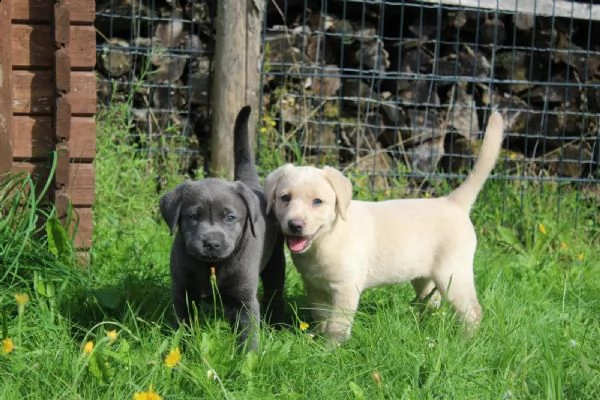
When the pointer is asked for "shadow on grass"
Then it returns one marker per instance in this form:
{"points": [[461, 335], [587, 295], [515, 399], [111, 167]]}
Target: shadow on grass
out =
{"points": [[127, 301], [132, 299]]}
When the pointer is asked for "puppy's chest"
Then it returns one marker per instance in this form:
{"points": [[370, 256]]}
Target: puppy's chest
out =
{"points": [[199, 282], [207, 280], [314, 270]]}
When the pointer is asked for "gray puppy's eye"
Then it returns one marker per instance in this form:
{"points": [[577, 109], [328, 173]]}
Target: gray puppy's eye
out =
{"points": [[286, 198], [195, 217], [229, 218], [317, 202]]}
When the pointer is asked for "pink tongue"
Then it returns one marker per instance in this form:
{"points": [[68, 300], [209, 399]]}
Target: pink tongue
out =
{"points": [[297, 243]]}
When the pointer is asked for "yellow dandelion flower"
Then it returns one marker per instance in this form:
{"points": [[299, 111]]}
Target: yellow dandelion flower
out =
{"points": [[563, 246], [542, 229], [263, 130], [149, 395], [580, 256], [112, 335], [304, 326], [512, 156], [173, 358], [7, 346], [22, 298], [88, 347]]}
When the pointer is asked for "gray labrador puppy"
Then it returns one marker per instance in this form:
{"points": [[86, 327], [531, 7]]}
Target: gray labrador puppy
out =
{"points": [[223, 226]]}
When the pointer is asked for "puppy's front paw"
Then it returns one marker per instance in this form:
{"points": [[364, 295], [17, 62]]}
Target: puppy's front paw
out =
{"points": [[336, 333], [319, 328]]}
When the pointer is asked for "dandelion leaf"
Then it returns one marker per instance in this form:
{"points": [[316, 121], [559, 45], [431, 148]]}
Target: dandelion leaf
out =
{"points": [[507, 236], [59, 243]]}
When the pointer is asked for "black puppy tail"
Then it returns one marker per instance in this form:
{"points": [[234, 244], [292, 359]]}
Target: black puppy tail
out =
{"points": [[244, 167]]}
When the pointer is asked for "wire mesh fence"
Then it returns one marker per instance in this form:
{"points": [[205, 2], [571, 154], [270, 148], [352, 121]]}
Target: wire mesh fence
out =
{"points": [[154, 59], [405, 87], [379, 88]]}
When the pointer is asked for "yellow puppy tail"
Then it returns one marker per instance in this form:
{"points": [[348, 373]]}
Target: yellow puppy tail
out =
{"points": [[466, 194]]}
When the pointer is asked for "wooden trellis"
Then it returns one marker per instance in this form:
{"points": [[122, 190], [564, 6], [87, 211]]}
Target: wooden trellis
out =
{"points": [[48, 99]]}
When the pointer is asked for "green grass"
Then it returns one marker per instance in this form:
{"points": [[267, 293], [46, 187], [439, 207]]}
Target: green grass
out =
{"points": [[537, 277]]}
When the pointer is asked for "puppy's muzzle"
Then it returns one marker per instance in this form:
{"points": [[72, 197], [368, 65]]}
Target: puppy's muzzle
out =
{"points": [[209, 247], [296, 226], [297, 239]]}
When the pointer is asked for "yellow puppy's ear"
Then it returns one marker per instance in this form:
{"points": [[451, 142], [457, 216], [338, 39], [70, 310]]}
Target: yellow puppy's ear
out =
{"points": [[342, 188], [271, 184]]}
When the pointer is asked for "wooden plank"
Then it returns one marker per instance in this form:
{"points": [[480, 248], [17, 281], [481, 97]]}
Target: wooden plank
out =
{"points": [[82, 184], [62, 116], [32, 137], [79, 220], [33, 92], [61, 24], [545, 8], [63, 166], [82, 179], [85, 227], [38, 170], [5, 89], [81, 11]]}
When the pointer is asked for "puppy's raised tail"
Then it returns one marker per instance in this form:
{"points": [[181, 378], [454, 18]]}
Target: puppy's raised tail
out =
{"points": [[244, 167], [466, 194]]}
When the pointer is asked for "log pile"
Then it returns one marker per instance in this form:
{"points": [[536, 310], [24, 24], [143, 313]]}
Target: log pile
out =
{"points": [[382, 87], [370, 86], [155, 56]]}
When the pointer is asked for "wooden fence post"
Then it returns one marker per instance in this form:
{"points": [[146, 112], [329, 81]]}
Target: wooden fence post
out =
{"points": [[236, 76], [5, 87]]}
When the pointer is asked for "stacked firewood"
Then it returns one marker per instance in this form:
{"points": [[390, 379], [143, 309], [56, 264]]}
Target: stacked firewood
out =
{"points": [[373, 86], [154, 56], [382, 86]]}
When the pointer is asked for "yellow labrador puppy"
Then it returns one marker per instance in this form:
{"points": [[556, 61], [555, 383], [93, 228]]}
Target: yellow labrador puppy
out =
{"points": [[342, 246]]}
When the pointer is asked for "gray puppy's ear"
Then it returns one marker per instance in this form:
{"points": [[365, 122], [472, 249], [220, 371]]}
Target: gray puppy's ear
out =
{"points": [[271, 184], [342, 188], [170, 205], [251, 203]]}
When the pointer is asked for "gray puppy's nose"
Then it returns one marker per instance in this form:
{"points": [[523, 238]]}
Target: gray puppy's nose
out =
{"points": [[296, 225], [211, 244]]}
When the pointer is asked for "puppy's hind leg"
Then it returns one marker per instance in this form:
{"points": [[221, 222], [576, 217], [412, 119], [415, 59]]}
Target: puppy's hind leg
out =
{"points": [[273, 279], [457, 285], [427, 294]]}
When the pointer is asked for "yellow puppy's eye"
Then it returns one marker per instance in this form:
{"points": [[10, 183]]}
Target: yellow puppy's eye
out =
{"points": [[286, 198], [317, 202]]}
